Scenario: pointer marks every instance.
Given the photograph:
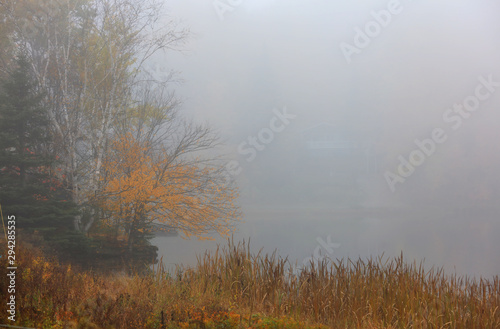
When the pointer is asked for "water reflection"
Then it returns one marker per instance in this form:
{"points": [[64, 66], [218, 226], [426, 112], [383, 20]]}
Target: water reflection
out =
{"points": [[465, 242]]}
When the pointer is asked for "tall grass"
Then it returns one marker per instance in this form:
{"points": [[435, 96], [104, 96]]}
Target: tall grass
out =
{"points": [[233, 288], [353, 294]]}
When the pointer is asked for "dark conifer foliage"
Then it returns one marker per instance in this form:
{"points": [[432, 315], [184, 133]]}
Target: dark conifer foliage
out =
{"points": [[30, 186]]}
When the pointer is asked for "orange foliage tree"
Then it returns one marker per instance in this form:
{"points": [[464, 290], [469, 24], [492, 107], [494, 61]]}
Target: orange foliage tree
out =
{"points": [[142, 185]]}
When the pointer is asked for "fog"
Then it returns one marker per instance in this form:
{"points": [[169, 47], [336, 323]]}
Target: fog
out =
{"points": [[352, 128]]}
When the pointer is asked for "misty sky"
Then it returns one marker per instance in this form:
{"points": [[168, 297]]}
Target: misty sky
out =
{"points": [[398, 87], [266, 54]]}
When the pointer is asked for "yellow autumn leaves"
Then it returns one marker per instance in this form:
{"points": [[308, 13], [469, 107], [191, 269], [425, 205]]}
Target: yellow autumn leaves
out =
{"points": [[142, 185]]}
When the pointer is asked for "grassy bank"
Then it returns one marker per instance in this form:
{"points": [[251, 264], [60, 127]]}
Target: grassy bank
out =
{"points": [[232, 288]]}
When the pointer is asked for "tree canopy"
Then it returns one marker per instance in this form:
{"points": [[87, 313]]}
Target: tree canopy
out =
{"points": [[125, 153]]}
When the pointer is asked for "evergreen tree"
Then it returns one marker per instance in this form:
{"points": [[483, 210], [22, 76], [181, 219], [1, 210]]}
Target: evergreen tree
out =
{"points": [[29, 185]]}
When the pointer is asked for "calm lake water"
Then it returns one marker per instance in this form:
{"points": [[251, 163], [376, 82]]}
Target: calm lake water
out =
{"points": [[463, 242]]}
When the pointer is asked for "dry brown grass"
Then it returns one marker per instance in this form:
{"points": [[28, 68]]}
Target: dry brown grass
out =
{"points": [[353, 294], [231, 288]]}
